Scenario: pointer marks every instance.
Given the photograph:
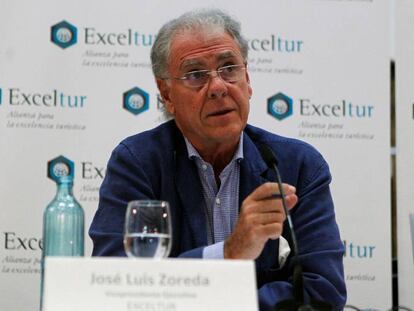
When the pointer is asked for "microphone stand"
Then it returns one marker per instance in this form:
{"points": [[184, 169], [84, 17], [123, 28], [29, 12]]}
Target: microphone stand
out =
{"points": [[297, 303]]}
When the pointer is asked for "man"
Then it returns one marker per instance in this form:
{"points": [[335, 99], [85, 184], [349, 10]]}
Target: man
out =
{"points": [[206, 163]]}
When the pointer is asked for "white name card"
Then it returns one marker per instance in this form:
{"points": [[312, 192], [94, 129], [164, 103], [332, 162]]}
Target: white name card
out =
{"points": [[125, 284]]}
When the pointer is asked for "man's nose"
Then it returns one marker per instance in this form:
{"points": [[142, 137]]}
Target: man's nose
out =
{"points": [[217, 88]]}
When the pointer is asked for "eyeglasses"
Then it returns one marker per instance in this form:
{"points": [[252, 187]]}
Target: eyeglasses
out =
{"points": [[197, 78]]}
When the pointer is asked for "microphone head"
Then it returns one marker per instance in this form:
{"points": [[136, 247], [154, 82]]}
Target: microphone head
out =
{"points": [[268, 155]]}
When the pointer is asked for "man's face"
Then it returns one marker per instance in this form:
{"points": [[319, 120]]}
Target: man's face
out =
{"points": [[215, 113]]}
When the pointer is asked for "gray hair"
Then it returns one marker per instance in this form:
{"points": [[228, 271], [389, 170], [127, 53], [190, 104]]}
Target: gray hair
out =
{"points": [[204, 19]]}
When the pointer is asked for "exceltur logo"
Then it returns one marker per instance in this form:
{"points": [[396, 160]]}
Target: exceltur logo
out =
{"points": [[343, 109], [280, 106], [64, 34], [136, 100], [54, 98], [274, 43], [13, 241], [358, 251], [59, 167]]}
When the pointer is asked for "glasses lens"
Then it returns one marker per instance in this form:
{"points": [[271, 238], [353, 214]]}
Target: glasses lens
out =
{"points": [[231, 73], [196, 78]]}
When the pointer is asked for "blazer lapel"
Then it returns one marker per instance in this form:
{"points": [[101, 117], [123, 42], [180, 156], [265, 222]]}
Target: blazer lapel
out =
{"points": [[253, 173], [252, 168]]}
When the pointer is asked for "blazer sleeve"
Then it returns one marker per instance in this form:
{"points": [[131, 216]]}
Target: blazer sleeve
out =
{"points": [[125, 180], [320, 248]]}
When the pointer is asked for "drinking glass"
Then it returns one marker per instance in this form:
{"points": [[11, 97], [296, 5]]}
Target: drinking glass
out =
{"points": [[147, 229]]}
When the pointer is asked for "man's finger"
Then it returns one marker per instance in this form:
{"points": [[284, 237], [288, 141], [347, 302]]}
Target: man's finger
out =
{"points": [[269, 205], [267, 190], [268, 218]]}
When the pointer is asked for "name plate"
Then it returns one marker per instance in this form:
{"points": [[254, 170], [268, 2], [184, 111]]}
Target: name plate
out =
{"points": [[125, 284]]}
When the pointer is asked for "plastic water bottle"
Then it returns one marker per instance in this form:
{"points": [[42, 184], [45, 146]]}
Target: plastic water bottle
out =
{"points": [[63, 226], [63, 223]]}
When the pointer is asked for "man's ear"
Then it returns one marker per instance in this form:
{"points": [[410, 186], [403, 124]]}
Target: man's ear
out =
{"points": [[164, 88]]}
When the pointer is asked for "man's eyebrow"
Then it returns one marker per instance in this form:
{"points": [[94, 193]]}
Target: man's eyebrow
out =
{"points": [[199, 62], [191, 62], [225, 55]]}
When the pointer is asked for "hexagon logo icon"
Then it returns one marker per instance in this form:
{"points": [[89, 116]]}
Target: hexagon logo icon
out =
{"points": [[60, 167], [280, 106], [64, 34], [136, 100]]}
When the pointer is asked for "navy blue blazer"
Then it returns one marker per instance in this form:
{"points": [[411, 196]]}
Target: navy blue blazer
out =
{"points": [[155, 165]]}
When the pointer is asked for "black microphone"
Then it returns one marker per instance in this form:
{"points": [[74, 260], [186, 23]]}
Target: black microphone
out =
{"points": [[297, 303]]}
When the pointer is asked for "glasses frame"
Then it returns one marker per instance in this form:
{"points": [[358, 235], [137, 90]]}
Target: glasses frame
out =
{"points": [[208, 74]]}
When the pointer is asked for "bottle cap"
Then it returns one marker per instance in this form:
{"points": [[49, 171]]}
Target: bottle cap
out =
{"points": [[65, 180]]}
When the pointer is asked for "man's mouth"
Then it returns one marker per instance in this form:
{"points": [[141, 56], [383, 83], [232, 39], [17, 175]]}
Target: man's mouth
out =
{"points": [[220, 112]]}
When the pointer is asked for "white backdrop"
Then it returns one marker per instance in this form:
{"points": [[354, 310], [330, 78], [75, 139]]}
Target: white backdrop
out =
{"points": [[329, 60], [404, 51]]}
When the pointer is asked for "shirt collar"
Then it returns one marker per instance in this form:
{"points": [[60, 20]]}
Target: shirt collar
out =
{"points": [[193, 153]]}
